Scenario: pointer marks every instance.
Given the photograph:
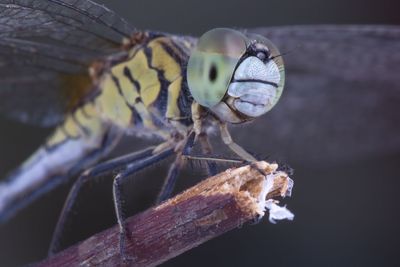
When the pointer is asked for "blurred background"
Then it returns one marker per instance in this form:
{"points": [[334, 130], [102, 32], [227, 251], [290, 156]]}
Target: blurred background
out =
{"points": [[344, 196]]}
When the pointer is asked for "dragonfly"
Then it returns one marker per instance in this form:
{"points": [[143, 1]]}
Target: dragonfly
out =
{"points": [[78, 65]]}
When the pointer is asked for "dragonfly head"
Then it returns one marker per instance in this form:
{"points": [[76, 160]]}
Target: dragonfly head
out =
{"points": [[238, 77]]}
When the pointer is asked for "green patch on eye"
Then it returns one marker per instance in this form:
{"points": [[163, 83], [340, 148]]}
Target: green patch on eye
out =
{"points": [[212, 64]]}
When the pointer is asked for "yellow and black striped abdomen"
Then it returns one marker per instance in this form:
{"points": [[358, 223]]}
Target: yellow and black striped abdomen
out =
{"points": [[149, 89], [147, 92]]}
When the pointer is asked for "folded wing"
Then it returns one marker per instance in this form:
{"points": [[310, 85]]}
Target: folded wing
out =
{"points": [[46, 47]]}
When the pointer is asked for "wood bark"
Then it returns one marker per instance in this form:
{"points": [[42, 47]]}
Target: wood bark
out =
{"points": [[212, 207]]}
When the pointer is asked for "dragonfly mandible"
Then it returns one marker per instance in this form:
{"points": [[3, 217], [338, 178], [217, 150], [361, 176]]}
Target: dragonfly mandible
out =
{"points": [[65, 50]]}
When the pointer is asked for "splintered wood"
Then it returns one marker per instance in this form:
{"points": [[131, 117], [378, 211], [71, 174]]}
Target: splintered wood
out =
{"points": [[212, 207]]}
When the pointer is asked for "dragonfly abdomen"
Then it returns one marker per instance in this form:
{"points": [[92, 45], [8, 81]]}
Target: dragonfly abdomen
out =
{"points": [[147, 93], [79, 142]]}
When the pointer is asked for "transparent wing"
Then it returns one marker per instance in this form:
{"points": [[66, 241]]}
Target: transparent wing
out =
{"points": [[342, 95], [46, 47]]}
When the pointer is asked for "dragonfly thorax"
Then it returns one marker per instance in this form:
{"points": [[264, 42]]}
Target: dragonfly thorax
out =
{"points": [[146, 94]]}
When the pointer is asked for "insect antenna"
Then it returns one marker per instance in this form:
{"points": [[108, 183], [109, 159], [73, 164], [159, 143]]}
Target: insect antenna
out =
{"points": [[286, 53]]}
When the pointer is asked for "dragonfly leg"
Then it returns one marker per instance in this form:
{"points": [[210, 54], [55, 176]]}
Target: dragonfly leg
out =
{"points": [[170, 180], [118, 197], [214, 159], [198, 113], [227, 139], [87, 176], [176, 167], [174, 170], [207, 150]]}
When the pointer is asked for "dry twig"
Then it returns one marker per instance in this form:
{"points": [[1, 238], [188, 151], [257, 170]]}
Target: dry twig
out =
{"points": [[212, 207]]}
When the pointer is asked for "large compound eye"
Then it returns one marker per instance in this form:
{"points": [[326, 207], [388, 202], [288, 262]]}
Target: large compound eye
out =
{"points": [[212, 64], [275, 64]]}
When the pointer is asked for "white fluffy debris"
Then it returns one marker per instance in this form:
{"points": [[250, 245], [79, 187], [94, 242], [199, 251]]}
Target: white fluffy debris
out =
{"points": [[289, 188], [277, 212], [266, 188]]}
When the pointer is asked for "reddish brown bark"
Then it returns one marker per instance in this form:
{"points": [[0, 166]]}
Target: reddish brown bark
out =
{"points": [[212, 207]]}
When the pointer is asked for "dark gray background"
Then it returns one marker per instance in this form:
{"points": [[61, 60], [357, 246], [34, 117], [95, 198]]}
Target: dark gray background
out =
{"points": [[346, 212]]}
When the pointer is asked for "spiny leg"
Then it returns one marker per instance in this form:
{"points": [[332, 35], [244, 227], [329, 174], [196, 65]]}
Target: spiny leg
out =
{"points": [[170, 180], [227, 139], [174, 170], [119, 212], [214, 159], [88, 175], [198, 114], [117, 193], [207, 150]]}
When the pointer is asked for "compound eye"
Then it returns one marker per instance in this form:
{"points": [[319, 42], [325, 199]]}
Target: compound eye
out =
{"points": [[273, 58], [212, 64]]}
